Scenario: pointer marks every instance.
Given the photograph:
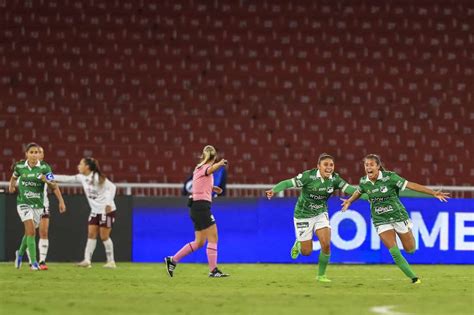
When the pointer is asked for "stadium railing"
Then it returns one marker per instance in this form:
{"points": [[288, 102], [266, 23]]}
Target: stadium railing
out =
{"points": [[232, 190]]}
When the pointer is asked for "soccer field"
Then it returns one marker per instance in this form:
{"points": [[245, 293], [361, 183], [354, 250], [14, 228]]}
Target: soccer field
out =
{"points": [[251, 289]]}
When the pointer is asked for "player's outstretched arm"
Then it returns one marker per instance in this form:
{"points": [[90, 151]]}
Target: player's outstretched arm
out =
{"points": [[352, 189], [285, 184], [347, 202], [216, 166], [442, 196]]}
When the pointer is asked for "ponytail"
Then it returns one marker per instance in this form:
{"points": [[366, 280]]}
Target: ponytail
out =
{"points": [[377, 160], [209, 153], [95, 169]]}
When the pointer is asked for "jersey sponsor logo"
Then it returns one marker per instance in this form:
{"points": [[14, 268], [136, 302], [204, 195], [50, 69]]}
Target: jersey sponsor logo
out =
{"points": [[31, 175], [384, 179], [374, 190], [379, 199], [31, 184], [313, 177], [32, 195], [317, 197], [383, 189], [315, 207], [384, 209]]}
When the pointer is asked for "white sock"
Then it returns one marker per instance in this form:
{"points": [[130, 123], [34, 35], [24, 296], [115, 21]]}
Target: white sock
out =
{"points": [[90, 247], [43, 245], [28, 255], [109, 249]]}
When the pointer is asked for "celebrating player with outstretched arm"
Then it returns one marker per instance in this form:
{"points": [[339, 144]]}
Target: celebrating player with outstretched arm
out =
{"points": [[311, 210], [389, 216], [100, 193], [204, 223], [32, 176]]}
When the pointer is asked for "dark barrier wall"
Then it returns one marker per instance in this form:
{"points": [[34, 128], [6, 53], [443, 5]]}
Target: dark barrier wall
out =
{"points": [[259, 230], [68, 231]]}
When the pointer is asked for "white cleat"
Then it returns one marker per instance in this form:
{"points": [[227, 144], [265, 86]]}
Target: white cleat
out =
{"points": [[85, 264], [110, 265]]}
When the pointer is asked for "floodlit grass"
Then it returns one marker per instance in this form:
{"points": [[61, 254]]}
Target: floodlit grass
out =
{"points": [[251, 289]]}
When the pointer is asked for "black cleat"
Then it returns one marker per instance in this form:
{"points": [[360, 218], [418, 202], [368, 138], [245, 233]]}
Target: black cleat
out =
{"points": [[170, 265], [216, 273]]}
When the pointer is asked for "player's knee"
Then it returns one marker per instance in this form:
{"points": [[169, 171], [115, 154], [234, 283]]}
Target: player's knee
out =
{"points": [[306, 251]]}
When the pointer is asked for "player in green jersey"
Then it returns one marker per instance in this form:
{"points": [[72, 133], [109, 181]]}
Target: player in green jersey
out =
{"points": [[311, 210], [389, 216], [32, 175]]}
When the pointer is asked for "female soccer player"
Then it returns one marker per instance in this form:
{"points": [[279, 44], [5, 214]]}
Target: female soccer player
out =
{"points": [[389, 216], [32, 175], [311, 210], [100, 193], [204, 223]]}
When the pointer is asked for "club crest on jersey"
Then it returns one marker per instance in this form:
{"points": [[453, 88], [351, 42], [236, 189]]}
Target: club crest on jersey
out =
{"points": [[50, 176], [383, 189], [330, 190]]}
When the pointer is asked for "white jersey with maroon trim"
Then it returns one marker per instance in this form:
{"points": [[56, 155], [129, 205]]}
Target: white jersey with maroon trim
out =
{"points": [[98, 195]]}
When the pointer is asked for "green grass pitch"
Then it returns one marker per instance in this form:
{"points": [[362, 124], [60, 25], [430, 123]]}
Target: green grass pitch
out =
{"points": [[251, 289]]}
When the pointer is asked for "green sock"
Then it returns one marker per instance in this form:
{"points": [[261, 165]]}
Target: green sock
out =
{"points": [[22, 248], [401, 262], [323, 263], [31, 244]]}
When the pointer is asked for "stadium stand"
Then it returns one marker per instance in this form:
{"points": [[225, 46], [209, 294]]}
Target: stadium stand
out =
{"points": [[144, 85]]}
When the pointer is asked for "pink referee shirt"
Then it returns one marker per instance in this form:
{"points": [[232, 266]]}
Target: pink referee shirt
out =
{"points": [[202, 183]]}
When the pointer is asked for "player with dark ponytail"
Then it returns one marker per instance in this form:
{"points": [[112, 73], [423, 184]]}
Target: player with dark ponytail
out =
{"points": [[100, 193], [389, 216]]}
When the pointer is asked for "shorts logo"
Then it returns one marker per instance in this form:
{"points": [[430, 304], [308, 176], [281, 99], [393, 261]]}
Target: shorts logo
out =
{"points": [[302, 225], [301, 233], [212, 218]]}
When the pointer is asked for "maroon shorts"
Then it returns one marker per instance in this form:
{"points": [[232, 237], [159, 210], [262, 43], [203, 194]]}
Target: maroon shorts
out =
{"points": [[103, 220]]}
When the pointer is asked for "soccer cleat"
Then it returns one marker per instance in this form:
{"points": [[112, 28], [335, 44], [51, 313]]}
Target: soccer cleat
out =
{"points": [[296, 249], [216, 273], [323, 279], [416, 281], [170, 265], [35, 266], [43, 266], [85, 264], [110, 265], [18, 259]]}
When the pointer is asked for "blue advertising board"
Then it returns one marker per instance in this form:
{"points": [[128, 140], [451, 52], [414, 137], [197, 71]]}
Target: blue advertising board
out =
{"points": [[260, 230]]}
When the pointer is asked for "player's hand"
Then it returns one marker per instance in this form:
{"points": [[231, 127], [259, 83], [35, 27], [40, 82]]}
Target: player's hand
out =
{"points": [[345, 204], [108, 209], [62, 207], [217, 190], [269, 194], [442, 196], [223, 162]]}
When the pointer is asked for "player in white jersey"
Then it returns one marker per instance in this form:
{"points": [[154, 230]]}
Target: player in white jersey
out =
{"points": [[100, 193]]}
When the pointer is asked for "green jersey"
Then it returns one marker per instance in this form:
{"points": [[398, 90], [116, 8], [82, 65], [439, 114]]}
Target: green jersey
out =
{"points": [[315, 192], [30, 185], [385, 205]]}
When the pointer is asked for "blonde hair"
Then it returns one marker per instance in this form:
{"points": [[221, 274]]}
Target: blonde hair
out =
{"points": [[209, 153]]}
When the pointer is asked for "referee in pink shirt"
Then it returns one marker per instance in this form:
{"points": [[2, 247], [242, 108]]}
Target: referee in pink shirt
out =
{"points": [[204, 222]]}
